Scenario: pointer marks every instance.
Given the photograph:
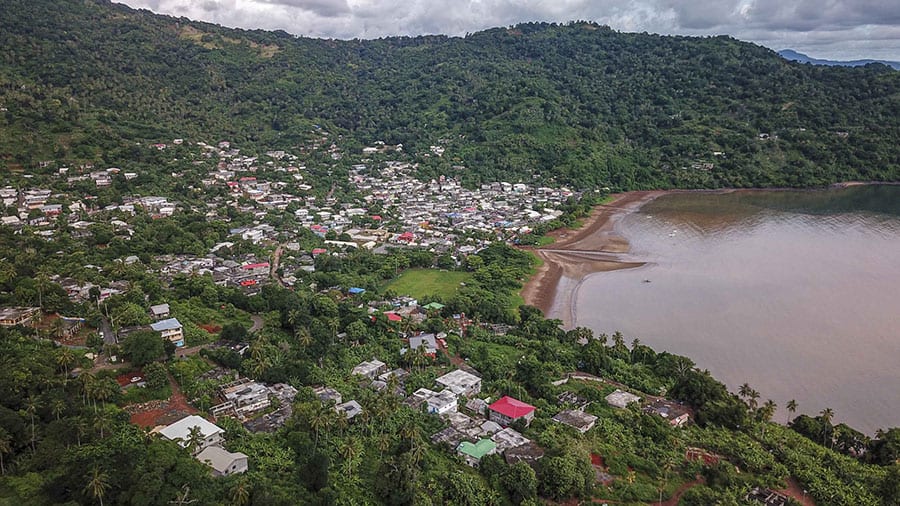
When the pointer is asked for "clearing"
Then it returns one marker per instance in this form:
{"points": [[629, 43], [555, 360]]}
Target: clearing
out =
{"points": [[421, 282]]}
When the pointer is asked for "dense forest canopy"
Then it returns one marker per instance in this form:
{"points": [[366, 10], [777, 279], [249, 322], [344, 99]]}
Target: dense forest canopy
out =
{"points": [[581, 103]]}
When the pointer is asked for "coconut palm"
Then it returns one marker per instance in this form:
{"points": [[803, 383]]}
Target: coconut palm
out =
{"points": [[827, 416], [194, 439], [64, 359], [240, 493], [791, 406], [5, 447], [97, 485], [31, 405]]}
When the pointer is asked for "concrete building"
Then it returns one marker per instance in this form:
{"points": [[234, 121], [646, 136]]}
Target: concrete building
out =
{"points": [[460, 383], [620, 399], [180, 432], [170, 329], [223, 462]]}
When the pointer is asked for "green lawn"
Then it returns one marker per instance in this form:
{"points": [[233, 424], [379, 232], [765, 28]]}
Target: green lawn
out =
{"points": [[421, 282]]}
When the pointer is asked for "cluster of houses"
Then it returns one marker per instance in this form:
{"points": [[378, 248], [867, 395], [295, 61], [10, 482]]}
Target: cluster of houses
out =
{"points": [[260, 407], [249, 275], [438, 213], [205, 440]]}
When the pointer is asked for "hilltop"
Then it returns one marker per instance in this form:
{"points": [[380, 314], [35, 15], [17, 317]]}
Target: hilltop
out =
{"points": [[578, 103]]}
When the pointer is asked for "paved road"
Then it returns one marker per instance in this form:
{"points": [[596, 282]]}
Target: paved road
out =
{"points": [[258, 323], [106, 331]]}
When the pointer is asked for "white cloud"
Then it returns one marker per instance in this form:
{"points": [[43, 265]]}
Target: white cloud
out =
{"points": [[823, 28]]}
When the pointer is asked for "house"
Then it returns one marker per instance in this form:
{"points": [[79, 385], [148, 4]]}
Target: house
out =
{"points": [[675, 413], [326, 394], [506, 410], [12, 316], [620, 399], [426, 341], [767, 497], [442, 403], [472, 453], [170, 329], [222, 461], [529, 453], [460, 383], [349, 409], [509, 438], [578, 420], [159, 311], [246, 395], [356, 290], [180, 432], [369, 369], [477, 406]]}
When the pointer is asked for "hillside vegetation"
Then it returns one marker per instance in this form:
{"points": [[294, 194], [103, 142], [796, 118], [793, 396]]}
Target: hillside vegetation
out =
{"points": [[581, 103]]}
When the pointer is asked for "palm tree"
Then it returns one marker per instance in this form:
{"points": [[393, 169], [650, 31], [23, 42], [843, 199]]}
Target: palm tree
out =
{"points": [[194, 439], [97, 485], [31, 406], [64, 359], [827, 415], [240, 494], [791, 406], [744, 390], [5, 447], [754, 395], [767, 410], [57, 406]]}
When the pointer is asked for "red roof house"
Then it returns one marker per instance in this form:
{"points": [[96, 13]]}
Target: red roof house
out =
{"points": [[393, 317], [406, 237], [507, 410]]}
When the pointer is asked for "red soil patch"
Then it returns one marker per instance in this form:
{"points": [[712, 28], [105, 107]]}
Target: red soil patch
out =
{"points": [[154, 413], [597, 460], [211, 328]]}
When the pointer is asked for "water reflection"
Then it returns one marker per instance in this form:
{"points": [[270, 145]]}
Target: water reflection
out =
{"points": [[793, 292]]}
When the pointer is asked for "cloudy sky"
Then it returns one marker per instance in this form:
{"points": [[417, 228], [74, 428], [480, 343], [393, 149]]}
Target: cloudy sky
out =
{"points": [[837, 29]]}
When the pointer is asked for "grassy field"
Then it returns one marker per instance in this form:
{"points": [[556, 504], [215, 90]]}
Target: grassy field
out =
{"points": [[421, 282]]}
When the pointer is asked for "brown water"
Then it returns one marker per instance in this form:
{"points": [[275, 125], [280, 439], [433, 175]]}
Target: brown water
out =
{"points": [[795, 293]]}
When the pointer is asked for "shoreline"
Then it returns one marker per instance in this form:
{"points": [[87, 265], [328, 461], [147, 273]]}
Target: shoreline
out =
{"points": [[595, 247], [577, 253]]}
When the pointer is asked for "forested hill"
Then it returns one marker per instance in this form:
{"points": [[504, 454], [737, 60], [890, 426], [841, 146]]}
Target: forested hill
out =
{"points": [[85, 80]]}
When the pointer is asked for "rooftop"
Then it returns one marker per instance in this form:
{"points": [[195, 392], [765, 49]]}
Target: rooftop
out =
{"points": [[510, 407], [477, 450], [180, 430], [168, 324]]}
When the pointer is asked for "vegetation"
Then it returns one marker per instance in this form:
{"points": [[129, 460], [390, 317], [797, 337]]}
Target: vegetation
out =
{"points": [[578, 103], [421, 283]]}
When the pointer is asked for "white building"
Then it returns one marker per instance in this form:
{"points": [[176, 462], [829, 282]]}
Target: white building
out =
{"points": [[180, 432], [222, 461], [460, 383]]}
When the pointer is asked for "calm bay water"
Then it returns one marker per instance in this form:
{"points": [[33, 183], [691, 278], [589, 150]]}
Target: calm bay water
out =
{"points": [[795, 293]]}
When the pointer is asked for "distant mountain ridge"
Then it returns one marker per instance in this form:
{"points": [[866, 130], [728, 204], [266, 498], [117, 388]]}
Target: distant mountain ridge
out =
{"points": [[790, 54], [576, 103]]}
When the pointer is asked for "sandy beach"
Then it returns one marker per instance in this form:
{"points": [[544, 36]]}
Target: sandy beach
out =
{"points": [[594, 247]]}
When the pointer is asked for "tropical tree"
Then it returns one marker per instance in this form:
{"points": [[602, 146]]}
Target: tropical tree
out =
{"points": [[5, 448], [65, 358], [827, 416], [97, 484], [791, 406], [194, 439]]}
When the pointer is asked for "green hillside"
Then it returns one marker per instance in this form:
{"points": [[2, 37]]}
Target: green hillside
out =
{"points": [[582, 103]]}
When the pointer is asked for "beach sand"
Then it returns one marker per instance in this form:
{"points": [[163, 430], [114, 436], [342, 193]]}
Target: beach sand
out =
{"points": [[594, 247]]}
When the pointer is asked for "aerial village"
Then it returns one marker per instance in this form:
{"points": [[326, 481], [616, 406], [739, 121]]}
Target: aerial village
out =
{"points": [[280, 228]]}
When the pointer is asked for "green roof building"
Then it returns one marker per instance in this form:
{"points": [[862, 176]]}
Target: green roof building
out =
{"points": [[473, 453]]}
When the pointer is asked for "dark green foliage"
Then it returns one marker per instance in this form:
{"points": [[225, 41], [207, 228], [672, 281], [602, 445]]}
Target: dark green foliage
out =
{"points": [[579, 102], [143, 346]]}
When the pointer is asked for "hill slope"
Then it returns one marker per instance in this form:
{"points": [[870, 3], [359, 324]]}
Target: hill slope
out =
{"points": [[581, 103]]}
